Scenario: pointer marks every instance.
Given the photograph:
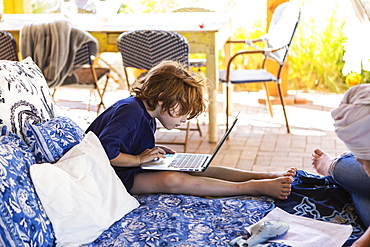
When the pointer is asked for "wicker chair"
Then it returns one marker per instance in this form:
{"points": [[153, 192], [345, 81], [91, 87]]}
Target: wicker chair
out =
{"points": [[8, 47], [88, 74]]}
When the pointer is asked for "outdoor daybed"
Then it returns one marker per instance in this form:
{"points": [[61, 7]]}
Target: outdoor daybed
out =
{"points": [[79, 199]]}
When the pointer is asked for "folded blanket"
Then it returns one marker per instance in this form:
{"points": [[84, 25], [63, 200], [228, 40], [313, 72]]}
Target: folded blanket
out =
{"points": [[53, 47]]}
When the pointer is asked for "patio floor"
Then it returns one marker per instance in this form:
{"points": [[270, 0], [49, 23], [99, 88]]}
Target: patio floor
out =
{"points": [[258, 142]]}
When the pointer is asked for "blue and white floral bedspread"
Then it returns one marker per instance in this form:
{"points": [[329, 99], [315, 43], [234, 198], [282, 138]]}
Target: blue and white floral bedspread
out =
{"points": [[180, 220]]}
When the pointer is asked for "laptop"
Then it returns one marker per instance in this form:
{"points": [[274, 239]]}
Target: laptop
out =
{"points": [[187, 161]]}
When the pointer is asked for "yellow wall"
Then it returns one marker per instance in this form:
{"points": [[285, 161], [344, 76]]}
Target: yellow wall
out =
{"points": [[272, 66], [16, 6]]}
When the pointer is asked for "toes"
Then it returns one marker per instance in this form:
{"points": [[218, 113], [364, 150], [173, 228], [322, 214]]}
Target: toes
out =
{"points": [[286, 183], [293, 171], [314, 159], [318, 151], [283, 196], [289, 180], [285, 193]]}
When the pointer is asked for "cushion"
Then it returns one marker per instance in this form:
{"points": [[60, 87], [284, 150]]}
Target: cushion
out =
{"points": [[24, 95], [51, 140], [81, 193], [23, 221]]}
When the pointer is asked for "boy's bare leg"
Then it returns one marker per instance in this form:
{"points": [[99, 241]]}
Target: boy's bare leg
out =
{"points": [[237, 175], [185, 183], [321, 161]]}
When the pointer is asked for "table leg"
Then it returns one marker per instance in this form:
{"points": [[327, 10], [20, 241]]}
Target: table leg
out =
{"points": [[212, 75], [226, 57]]}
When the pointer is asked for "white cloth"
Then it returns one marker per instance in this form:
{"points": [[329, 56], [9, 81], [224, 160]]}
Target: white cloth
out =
{"points": [[362, 8], [53, 47], [352, 120], [306, 232], [357, 52], [81, 193]]}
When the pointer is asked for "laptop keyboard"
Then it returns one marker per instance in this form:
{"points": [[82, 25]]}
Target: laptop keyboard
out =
{"points": [[187, 161]]}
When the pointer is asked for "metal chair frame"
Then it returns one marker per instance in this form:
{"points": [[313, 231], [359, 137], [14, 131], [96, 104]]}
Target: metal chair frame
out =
{"points": [[271, 51]]}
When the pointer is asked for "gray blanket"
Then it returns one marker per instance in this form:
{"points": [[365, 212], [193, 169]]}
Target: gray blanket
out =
{"points": [[52, 47]]}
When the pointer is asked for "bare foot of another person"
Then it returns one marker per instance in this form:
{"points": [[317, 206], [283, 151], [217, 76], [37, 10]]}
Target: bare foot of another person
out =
{"points": [[279, 188], [321, 161]]}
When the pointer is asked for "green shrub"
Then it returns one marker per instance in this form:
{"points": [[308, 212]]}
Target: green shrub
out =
{"points": [[315, 61], [41, 6]]}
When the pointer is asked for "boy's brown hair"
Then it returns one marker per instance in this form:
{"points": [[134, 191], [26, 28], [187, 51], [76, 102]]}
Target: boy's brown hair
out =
{"points": [[174, 85]]}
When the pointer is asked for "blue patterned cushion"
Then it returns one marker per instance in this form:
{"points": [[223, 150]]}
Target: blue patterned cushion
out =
{"points": [[23, 221], [49, 141]]}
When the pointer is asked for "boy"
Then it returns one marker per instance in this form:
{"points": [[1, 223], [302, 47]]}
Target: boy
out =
{"points": [[171, 94]]}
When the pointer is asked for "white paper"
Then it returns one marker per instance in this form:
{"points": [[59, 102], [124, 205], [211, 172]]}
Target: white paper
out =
{"points": [[306, 232]]}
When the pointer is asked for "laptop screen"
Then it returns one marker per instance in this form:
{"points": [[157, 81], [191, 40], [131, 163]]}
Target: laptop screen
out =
{"points": [[226, 135]]}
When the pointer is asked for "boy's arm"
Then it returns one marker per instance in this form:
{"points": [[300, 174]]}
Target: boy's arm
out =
{"points": [[128, 160], [364, 240]]}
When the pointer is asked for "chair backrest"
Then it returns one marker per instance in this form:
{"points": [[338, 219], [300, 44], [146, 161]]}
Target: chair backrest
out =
{"points": [[84, 57], [8, 47], [79, 11], [192, 9], [85, 54], [143, 49], [281, 31]]}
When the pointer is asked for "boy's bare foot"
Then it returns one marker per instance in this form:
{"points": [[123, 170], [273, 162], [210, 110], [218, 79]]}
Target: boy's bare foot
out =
{"points": [[279, 188], [321, 161], [289, 173]]}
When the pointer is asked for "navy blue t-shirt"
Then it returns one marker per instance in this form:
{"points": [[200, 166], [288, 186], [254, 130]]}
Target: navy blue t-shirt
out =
{"points": [[125, 127]]}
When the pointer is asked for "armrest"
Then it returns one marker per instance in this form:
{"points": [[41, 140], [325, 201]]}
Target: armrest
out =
{"points": [[249, 42], [245, 41], [239, 53], [265, 51]]}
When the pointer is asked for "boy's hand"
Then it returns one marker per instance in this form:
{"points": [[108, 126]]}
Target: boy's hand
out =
{"points": [[151, 154], [167, 149]]}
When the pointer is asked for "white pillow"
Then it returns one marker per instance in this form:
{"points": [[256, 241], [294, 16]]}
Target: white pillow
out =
{"points": [[24, 95], [81, 193]]}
